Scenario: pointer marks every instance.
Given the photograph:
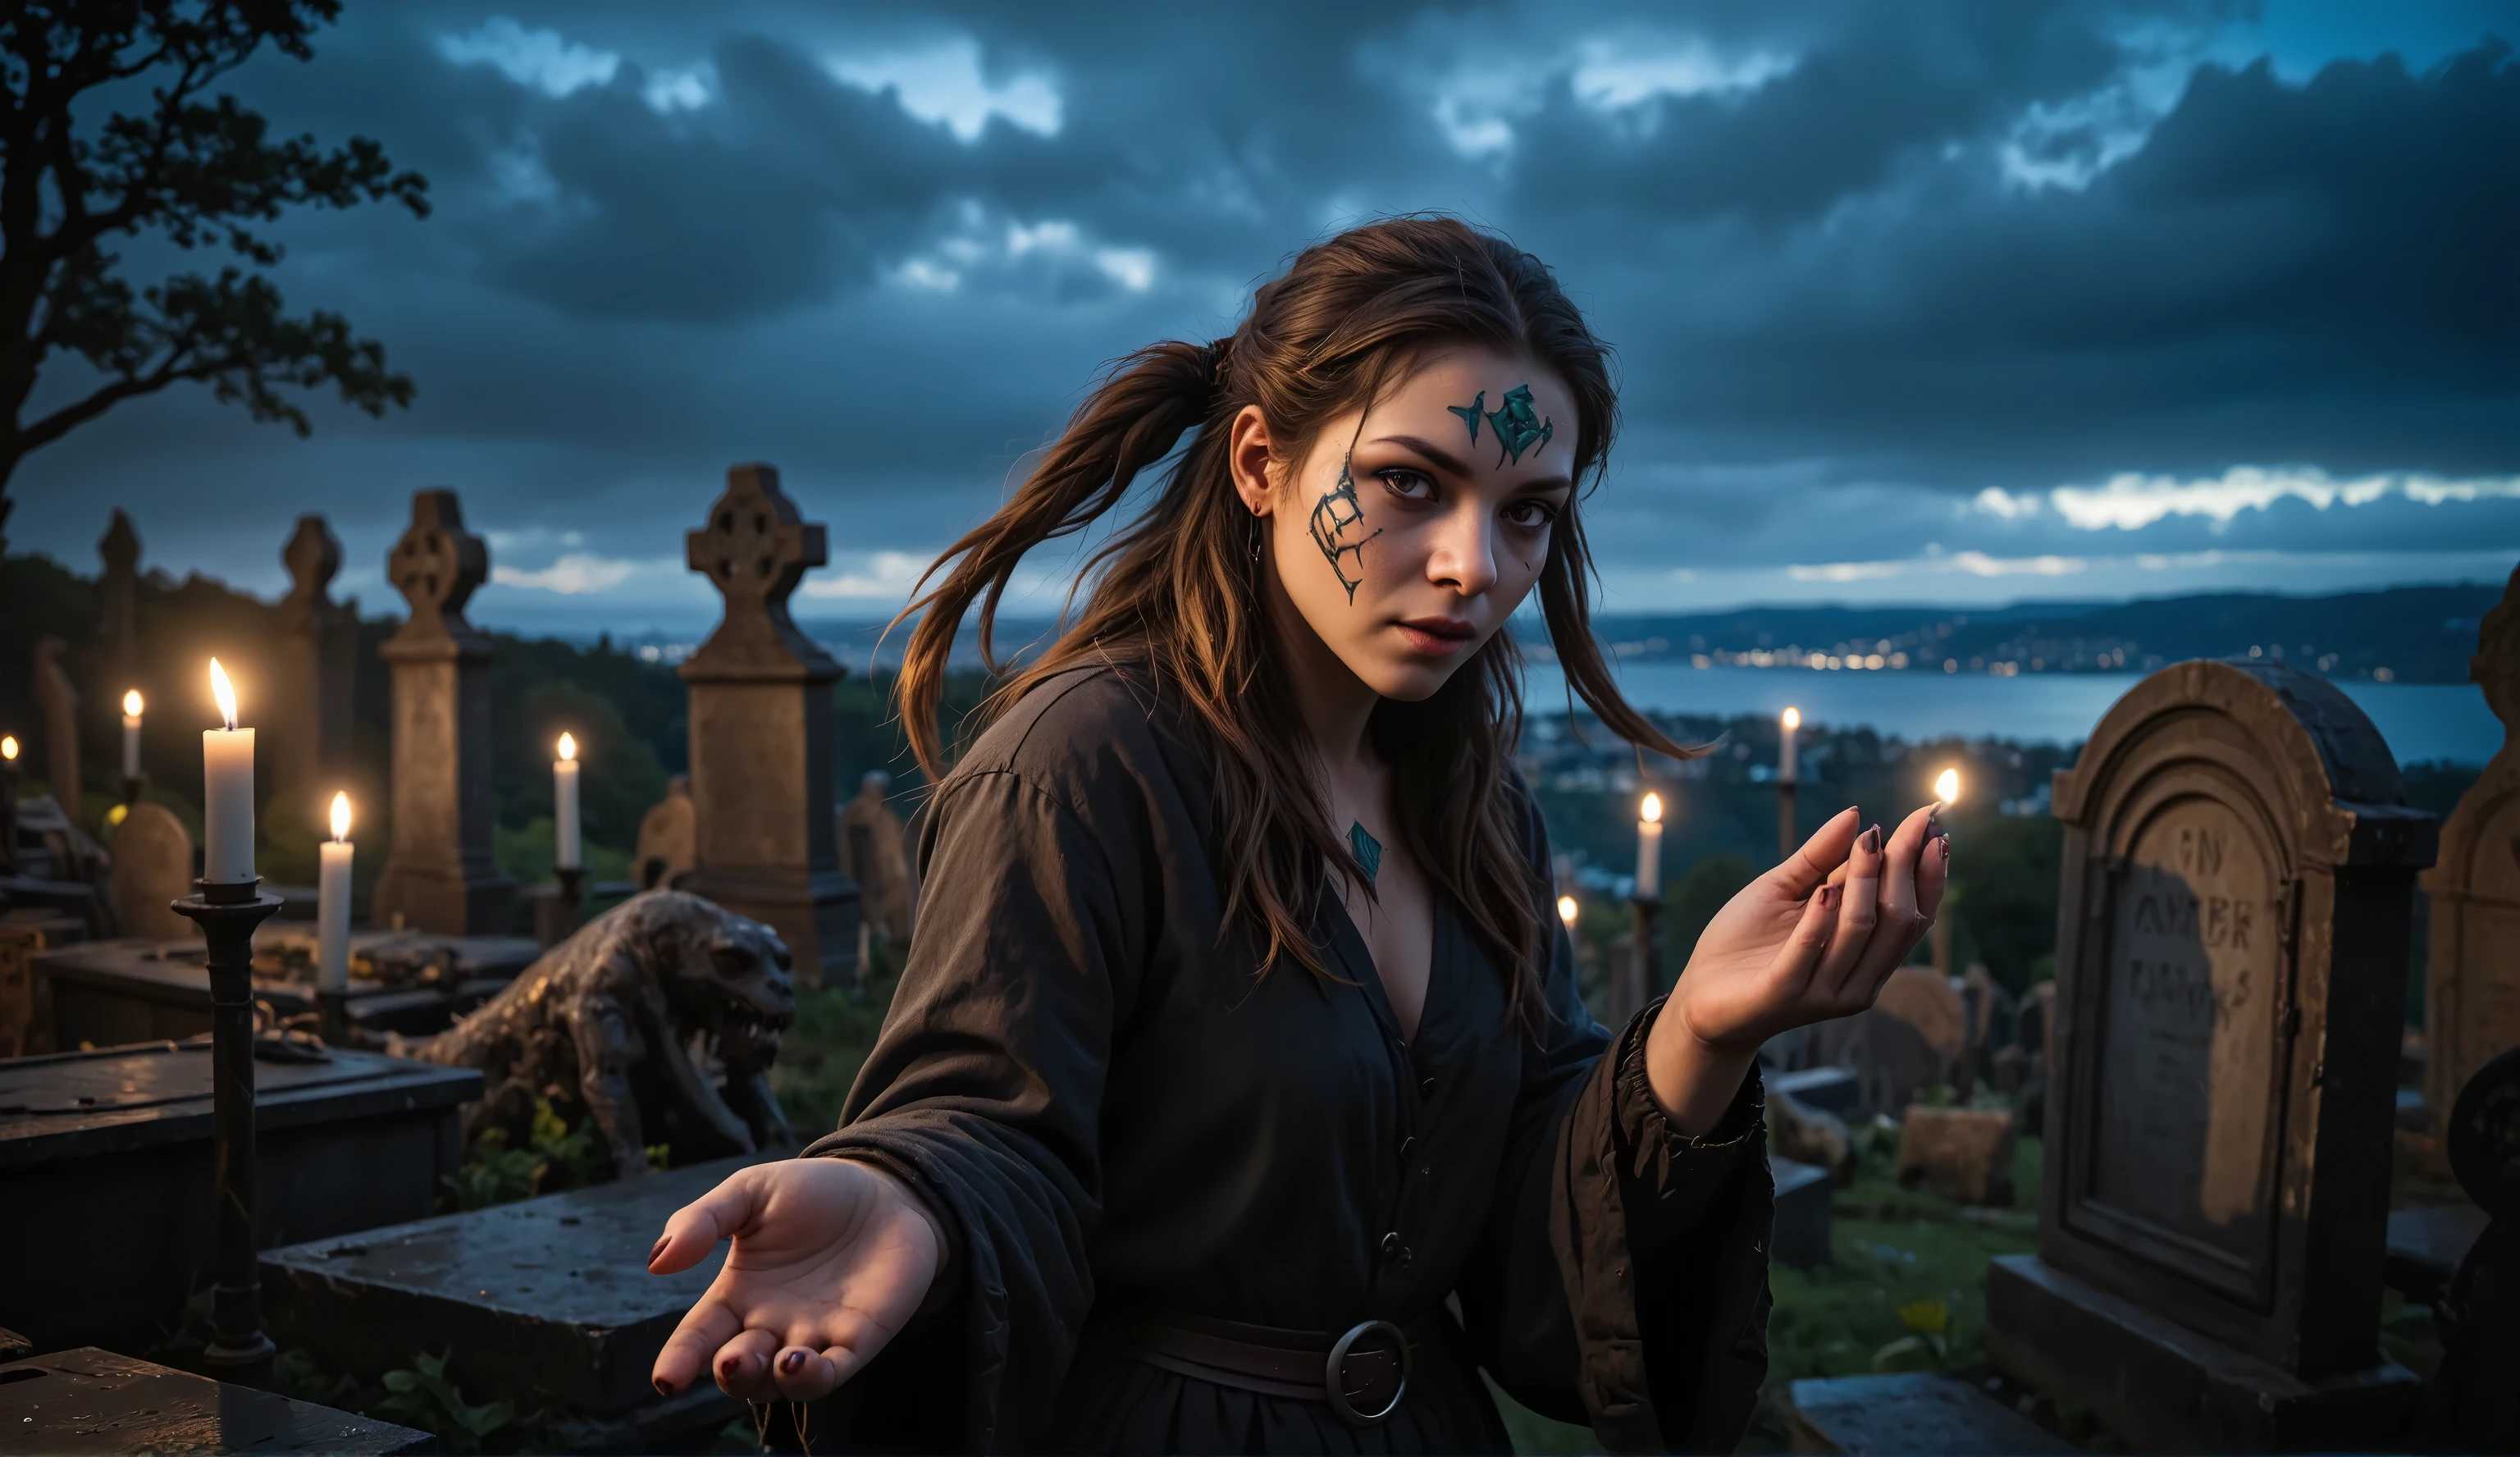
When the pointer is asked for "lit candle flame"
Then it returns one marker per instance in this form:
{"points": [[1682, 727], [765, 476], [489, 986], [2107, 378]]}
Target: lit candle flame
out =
{"points": [[131, 704], [224, 692], [1793, 719], [1652, 810], [341, 816], [9, 747], [1947, 786], [1566, 909], [567, 747]]}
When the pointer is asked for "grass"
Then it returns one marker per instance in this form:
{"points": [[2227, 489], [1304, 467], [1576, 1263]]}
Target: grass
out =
{"points": [[834, 1029]]}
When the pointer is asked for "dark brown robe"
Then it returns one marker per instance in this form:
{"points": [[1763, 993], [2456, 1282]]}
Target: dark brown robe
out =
{"points": [[1084, 1075]]}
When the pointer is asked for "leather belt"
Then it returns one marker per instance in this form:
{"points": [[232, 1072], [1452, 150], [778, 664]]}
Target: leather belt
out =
{"points": [[1361, 1373]]}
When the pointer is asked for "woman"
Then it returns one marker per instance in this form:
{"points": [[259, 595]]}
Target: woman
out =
{"points": [[1163, 1149]]}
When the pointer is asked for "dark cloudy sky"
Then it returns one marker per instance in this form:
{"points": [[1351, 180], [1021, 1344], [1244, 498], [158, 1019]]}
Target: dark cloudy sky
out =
{"points": [[1912, 301]]}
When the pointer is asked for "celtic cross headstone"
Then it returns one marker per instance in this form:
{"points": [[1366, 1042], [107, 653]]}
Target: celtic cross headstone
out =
{"points": [[119, 625], [439, 874], [319, 644], [761, 727]]}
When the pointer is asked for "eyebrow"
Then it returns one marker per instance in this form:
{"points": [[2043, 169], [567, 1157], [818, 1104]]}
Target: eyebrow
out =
{"points": [[1445, 460]]}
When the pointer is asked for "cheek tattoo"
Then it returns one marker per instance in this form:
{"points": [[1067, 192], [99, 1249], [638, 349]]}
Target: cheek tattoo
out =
{"points": [[1334, 515]]}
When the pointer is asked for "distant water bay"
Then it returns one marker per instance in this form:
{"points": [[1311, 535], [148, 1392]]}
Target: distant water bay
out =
{"points": [[2420, 721]]}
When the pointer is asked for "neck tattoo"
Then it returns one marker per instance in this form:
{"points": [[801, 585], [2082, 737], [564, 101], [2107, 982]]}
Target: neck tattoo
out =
{"points": [[1367, 850]]}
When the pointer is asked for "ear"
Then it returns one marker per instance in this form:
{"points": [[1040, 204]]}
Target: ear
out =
{"points": [[1249, 455]]}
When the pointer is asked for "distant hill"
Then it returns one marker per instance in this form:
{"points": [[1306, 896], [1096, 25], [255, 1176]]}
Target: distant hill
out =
{"points": [[2405, 634]]}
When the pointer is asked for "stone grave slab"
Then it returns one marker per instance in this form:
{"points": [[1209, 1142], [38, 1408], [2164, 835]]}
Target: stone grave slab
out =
{"points": [[1827, 1089], [153, 867], [91, 1400], [1911, 1412], [2427, 1243], [544, 1302], [1964, 1154], [1803, 1227], [2235, 912], [123, 1138]]}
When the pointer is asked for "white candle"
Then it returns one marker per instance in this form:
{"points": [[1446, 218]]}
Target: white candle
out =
{"points": [[332, 903], [1649, 846], [131, 734], [1947, 786], [565, 805], [227, 792], [1785, 746]]}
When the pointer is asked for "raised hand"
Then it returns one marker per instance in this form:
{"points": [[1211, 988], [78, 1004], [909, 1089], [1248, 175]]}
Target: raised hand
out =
{"points": [[831, 1257], [1812, 940]]}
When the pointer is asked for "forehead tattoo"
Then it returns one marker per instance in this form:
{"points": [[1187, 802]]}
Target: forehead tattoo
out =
{"points": [[1518, 426]]}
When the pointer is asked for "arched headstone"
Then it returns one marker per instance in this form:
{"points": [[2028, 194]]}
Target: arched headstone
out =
{"points": [[439, 874], [2236, 899], [761, 733], [2472, 987], [153, 867], [665, 854]]}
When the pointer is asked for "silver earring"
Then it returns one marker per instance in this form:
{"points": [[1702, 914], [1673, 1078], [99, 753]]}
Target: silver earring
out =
{"points": [[1255, 537]]}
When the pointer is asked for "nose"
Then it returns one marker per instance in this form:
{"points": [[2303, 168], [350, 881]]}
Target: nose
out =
{"points": [[1464, 555]]}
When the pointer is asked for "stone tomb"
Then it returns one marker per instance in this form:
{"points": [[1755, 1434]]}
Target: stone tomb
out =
{"points": [[153, 867], [439, 874], [91, 1400], [2236, 895], [1909, 1413], [105, 1158], [761, 734], [544, 1302], [2472, 994]]}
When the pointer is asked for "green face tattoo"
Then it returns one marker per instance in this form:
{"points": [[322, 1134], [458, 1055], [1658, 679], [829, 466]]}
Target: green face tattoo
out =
{"points": [[1336, 514], [1471, 413], [1518, 426]]}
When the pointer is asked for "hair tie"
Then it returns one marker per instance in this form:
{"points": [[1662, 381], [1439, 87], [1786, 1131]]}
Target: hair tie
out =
{"points": [[1215, 354]]}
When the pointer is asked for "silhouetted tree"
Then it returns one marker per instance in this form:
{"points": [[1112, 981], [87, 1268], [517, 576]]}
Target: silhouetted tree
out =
{"points": [[168, 161]]}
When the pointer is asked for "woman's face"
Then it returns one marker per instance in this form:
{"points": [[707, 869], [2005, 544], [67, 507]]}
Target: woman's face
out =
{"points": [[1406, 537]]}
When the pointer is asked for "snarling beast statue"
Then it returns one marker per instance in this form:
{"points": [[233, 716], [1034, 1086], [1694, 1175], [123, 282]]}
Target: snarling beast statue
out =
{"points": [[636, 1017]]}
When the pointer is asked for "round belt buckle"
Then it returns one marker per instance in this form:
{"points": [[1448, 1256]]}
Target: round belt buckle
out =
{"points": [[1330, 1383]]}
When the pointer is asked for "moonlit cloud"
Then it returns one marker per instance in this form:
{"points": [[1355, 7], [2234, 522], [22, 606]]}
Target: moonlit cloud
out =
{"points": [[2127, 502], [544, 60], [945, 84], [572, 574]]}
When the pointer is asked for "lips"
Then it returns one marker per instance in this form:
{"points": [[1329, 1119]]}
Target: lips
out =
{"points": [[1437, 636]]}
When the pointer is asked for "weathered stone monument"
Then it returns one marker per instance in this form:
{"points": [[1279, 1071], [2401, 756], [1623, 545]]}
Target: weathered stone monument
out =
{"points": [[2235, 904], [1912, 1038], [153, 867], [439, 874], [2472, 991], [319, 646], [57, 697], [665, 839], [873, 854], [761, 734], [119, 622]]}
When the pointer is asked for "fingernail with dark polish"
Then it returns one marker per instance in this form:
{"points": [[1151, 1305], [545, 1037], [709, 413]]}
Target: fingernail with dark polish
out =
{"points": [[1828, 897], [659, 1249], [792, 1362], [1873, 841], [1946, 846], [665, 1387]]}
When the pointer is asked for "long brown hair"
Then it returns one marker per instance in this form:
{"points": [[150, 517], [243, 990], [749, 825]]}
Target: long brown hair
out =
{"points": [[1176, 589]]}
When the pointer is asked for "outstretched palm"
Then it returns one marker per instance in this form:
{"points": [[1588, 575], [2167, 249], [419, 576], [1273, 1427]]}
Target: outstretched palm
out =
{"points": [[830, 1260]]}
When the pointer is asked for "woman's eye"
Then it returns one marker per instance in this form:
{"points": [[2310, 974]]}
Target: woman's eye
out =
{"points": [[1413, 485], [1531, 514]]}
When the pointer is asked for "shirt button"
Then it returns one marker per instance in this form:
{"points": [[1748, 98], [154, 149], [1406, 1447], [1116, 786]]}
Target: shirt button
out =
{"points": [[1426, 1087], [1408, 1146], [1394, 1251]]}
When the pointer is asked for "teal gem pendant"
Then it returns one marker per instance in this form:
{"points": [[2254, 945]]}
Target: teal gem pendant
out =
{"points": [[1367, 850]]}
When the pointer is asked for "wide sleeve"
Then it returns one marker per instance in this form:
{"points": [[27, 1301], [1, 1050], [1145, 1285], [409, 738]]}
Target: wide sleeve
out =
{"points": [[985, 1093], [1622, 1278]]}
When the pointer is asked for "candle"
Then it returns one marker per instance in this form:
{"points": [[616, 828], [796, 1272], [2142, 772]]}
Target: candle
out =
{"points": [[564, 805], [1566, 909], [332, 904], [227, 792], [1947, 786], [1649, 846], [1793, 721], [131, 734]]}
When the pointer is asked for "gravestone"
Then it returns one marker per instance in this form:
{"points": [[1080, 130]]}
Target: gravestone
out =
{"points": [[439, 874], [873, 854], [2472, 989], [665, 839], [761, 734], [153, 867], [2236, 907], [119, 587], [58, 701], [106, 1159], [91, 1400], [1800, 1234], [319, 646], [1908, 1413], [1963, 1153], [1912, 1038]]}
